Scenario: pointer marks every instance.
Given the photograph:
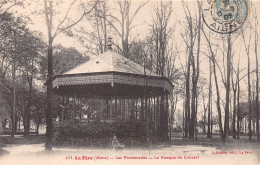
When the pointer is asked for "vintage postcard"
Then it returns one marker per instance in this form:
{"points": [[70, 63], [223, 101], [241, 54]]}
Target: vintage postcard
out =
{"points": [[137, 82]]}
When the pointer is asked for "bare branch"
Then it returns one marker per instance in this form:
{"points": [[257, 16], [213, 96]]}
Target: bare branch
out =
{"points": [[76, 22]]}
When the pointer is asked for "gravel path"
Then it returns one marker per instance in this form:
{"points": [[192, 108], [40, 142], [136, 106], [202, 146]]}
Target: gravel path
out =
{"points": [[190, 154]]}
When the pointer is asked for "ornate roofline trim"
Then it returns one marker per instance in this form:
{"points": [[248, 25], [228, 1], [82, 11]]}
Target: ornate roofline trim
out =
{"points": [[113, 78], [109, 73]]}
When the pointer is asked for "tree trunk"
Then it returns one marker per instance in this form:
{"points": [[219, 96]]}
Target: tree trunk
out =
{"points": [[238, 105], [187, 100], [14, 100], [218, 103], [204, 116], [209, 100], [245, 126], [15, 123], [183, 117], [1, 107], [49, 24], [195, 78], [37, 128], [28, 111], [49, 130], [235, 109], [217, 91], [227, 86], [193, 114], [249, 101], [167, 119], [211, 118], [234, 115], [257, 103], [257, 80]]}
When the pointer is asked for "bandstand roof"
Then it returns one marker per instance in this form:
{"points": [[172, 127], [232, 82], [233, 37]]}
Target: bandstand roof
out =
{"points": [[109, 62], [110, 74]]}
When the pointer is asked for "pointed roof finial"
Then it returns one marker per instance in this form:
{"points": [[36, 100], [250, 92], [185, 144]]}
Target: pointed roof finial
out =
{"points": [[109, 43]]}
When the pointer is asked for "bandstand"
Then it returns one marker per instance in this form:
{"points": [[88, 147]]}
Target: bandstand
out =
{"points": [[117, 94]]}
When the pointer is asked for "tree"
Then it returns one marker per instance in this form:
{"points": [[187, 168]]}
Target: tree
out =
{"points": [[214, 63], [192, 34], [4, 107], [238, 105], [195, 76], [18, 45], [160, 41], [29, 68], [257, 75], [101, 26], [39, 109], [12, 33], [122, 23], [94, 38], [227, 87], [210, 99], [235, 108], [7, 5], [190, 46], [64, 59], [247, 48], [63, 25]]}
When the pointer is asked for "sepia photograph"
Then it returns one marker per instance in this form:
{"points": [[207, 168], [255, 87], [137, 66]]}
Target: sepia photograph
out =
{"points": [[129, 82]]}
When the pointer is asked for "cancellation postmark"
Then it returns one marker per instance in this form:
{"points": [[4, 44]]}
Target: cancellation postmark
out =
{"points": [[225, 16]]}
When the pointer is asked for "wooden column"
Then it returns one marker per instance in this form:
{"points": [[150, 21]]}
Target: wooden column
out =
{"points": [[78, 113], [62, 110], [148, 113], [158, 114], [167, 118], [107, 107], [73, 108], [154, 108], [73, 117], [136, 108], [115, 107], [120, 106], [142, 109], [128, 109]]}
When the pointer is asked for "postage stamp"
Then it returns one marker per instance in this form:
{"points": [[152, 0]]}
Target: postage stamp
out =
{"points": [[225, 16]]}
